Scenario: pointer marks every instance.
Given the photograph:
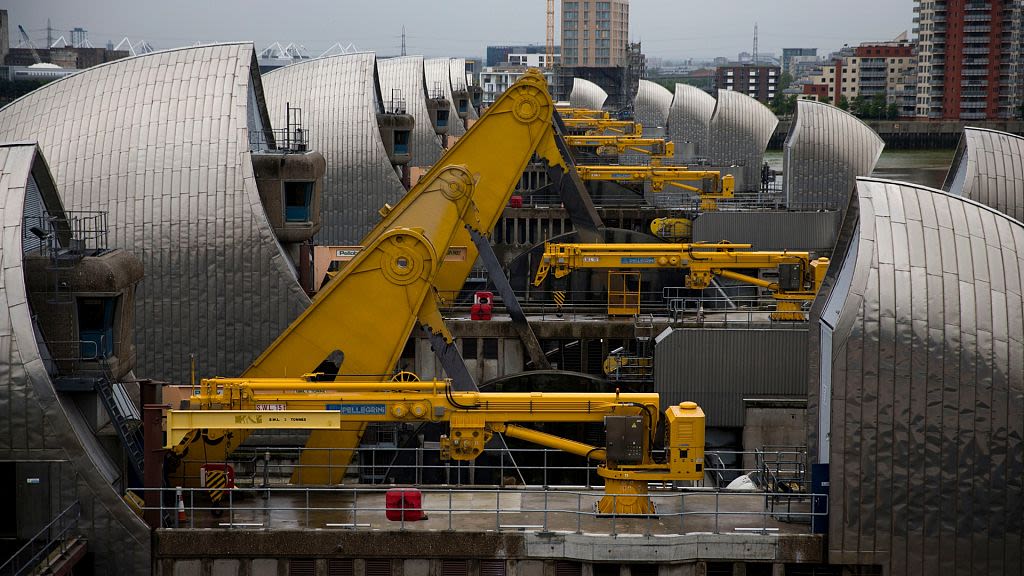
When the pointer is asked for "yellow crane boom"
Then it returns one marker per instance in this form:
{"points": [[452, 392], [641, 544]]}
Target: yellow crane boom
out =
{"points": [[722, 187], [656, 148], [800, 276], [566, 113], [631, 420], [603, 126]]}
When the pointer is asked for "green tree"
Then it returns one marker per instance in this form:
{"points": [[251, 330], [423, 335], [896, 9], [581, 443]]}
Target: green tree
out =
{"points": [[1020, 111], [785, 81], [892, 111], [843, 104]]}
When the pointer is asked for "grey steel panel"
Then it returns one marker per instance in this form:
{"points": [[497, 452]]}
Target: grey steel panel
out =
{"points": [[439, 78], [989, 167], [826, 150], [36, 423], [161, 143], [339, 97], [718, 368], [739, 133], [457, 72], [406, 75], [586, 94], [814, 231], [927, 384], [689, 118], [651, 108]]}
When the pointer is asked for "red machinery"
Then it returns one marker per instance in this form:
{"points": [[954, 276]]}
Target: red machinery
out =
{"points": [[483, 306]]}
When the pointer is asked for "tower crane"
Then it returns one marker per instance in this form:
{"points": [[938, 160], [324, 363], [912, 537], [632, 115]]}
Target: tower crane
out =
{"points": [[28, 42]]}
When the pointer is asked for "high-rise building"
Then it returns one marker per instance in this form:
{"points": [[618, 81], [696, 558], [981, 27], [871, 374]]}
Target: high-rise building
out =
{"points": [[969, 58], [595, 47], [595, 34]]}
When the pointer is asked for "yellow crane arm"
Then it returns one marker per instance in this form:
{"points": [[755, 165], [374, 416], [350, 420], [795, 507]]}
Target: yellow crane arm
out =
{"points": [[655, 147], [604, 126], [567, 113], [472, 418], [800, 277], [468, 188], [659, 176]]}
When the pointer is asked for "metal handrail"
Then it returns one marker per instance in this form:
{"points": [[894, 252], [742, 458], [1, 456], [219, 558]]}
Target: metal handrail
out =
{"points": [[15, 566], [535, 510]]}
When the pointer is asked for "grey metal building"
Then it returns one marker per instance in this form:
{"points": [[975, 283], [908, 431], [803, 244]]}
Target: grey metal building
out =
{"points": [[340, 99], [719, 367], [651, 108], [825, 151], [689, 121], [989, 168], [741, 128], [916, 382], [439, 83], [405, 75], [163, 143], [46, 443], [586, 94]]}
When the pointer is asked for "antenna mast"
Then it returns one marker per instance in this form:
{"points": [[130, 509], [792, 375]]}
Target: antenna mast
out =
{"points": [[403, 40], [754, 55]]}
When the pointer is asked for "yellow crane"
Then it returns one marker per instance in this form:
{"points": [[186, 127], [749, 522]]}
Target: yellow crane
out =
{"points": [[582, 113], [603, 126], [722, 187], [362, 319], [626, 460], [799, 276], [657, 148]]}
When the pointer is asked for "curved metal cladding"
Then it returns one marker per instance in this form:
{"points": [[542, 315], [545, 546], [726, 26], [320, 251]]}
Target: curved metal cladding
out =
{"points": [[457, 73], [917, 344], [689, 119], [586, 94], [38, 426], [405, 74], [989, 168], [161, 142], [651, 108], [340, 98], [439, 79], [826, 150], [739, 132]]}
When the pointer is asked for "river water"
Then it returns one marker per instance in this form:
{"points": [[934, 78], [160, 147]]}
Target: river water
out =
{"points": [[927, 167]]}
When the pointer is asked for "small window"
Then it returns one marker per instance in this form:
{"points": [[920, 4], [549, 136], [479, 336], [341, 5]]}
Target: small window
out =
{"points": [[402, 141], [96, 327], [297, 198], [463, 105], [442, 118]]}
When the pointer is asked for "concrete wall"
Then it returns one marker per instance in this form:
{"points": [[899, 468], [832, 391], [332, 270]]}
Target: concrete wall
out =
{"points": [[410, 553]]}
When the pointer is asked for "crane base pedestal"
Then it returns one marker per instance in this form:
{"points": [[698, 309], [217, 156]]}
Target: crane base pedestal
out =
{"points": [[625, 497]]}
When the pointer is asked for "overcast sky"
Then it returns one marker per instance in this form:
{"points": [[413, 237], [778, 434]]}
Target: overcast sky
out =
{"points": [[667, 28]]}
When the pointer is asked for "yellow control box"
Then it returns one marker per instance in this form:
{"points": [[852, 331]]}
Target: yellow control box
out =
{"points": [[685, 426]]}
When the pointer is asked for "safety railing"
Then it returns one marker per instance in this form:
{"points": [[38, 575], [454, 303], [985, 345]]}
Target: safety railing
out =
{"points": [[752, 308], [677, 511], [80, 356], [52, 540], [262, 467], [78, 231]]}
